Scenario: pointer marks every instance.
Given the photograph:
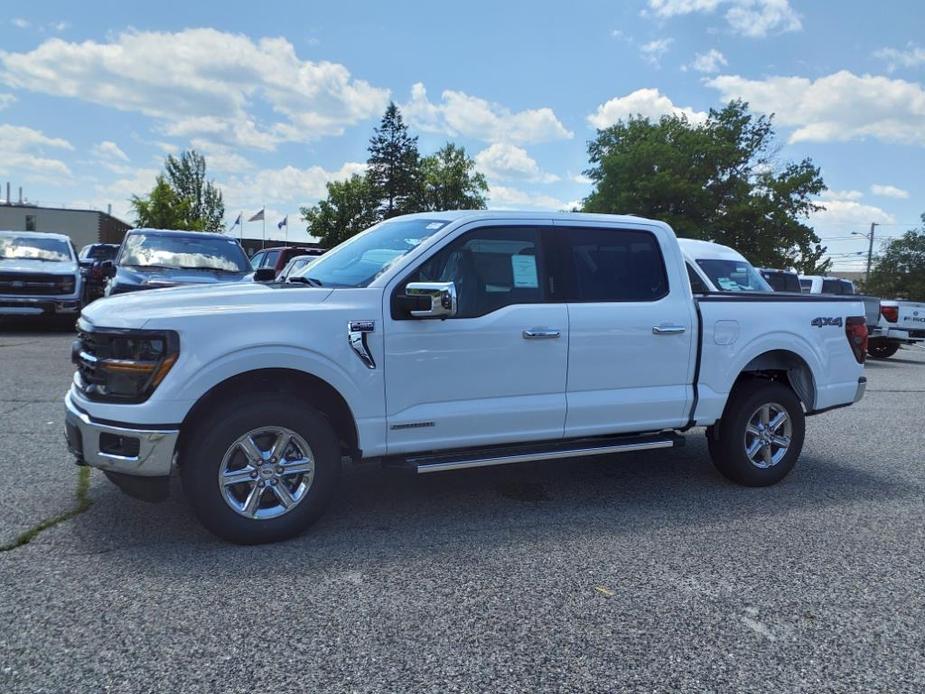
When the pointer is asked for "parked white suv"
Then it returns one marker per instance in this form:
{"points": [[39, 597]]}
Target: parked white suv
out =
{"points": [[449, 340], [713, 267]]}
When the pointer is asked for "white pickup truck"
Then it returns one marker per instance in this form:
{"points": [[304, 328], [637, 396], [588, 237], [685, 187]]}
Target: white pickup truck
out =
{"points": [[442, 341], [901, 323]]}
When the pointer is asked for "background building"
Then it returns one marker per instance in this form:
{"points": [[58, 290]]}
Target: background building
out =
{"points": [[83, 226]]}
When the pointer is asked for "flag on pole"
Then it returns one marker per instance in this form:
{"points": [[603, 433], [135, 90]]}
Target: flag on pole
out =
{"points": [[236, 222], [257, 217], [284, 222]]}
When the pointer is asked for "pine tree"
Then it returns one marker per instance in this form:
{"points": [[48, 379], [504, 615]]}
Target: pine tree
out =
{"points": [[394, 164]]}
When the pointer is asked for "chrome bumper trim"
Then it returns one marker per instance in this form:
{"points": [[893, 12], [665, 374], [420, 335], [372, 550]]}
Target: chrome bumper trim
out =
{"points": [[155, 452], [862, 387]]}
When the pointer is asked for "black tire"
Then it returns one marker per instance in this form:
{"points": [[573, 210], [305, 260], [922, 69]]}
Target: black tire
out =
{"points": [[204, 449], [881, 349], [728, 446]]}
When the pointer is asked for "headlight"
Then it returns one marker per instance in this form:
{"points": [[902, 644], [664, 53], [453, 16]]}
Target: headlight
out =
{"points": [[123, 365], [66, 285]]}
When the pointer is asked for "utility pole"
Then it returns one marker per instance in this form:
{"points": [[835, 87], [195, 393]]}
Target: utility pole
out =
{"points": [[870, 252]]}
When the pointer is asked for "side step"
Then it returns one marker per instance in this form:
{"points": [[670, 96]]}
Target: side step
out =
{"points": [[440, 461]]}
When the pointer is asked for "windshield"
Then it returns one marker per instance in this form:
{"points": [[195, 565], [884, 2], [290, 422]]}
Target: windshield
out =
{"points": [[34, 248], [360, 260], [183, 252], [782, 281], [734, 276]]}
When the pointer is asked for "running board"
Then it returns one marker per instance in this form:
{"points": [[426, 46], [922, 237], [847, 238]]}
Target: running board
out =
{"points": [[557, 450]]}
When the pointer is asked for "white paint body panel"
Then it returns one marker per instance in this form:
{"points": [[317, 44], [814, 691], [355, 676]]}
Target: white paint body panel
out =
{"points": [[477, 379]]}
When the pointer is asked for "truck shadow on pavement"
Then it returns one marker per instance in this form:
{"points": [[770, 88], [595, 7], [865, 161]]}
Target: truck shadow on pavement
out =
{"points": [[377, 512]]}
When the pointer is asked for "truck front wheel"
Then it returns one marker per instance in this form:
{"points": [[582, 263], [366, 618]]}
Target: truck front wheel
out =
{"points": [[261, 470], [760, 435]]}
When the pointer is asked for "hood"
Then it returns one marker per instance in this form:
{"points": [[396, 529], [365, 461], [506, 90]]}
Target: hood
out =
{"points": [[64, 267], [144, 278], [134, 309]]}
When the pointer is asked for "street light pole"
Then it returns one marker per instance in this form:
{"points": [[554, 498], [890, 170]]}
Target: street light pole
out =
{"points": [[870, 251]]}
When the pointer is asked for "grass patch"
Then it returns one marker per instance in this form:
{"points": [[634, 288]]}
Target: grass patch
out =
{"points": [[83, 503]]}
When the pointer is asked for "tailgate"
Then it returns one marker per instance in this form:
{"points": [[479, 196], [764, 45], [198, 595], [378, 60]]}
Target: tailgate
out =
{"points": [[911, 315]]}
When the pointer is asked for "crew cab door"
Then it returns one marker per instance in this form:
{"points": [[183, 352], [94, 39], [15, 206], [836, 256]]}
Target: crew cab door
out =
{"points": [[632, 329], [494, 372]]}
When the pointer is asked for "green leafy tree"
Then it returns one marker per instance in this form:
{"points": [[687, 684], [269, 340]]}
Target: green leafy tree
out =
{"points": [[350, 207], [187, 176], [394, 164], [900, 269], [182, 198], [162, 208], [450, 181], [714, 180], [814, 261]]}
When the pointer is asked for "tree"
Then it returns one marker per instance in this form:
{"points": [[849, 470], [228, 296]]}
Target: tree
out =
{"points": [[162, 209], [182, 198], [394, 164], [450, 181], [900, 269], [187, 176], [350, 207], [713, 180], [814, 262]]}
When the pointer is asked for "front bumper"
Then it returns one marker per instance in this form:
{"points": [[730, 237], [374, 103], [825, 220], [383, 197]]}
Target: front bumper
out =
{"points": [[155, 447], [37, 306]]}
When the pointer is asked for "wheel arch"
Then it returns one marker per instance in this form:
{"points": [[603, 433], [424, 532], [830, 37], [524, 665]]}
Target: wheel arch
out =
{"points": [[316, 391], [787, 367]]}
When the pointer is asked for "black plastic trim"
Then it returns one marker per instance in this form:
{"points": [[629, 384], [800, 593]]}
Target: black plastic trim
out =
{"points": [[151, 489], [691, 420]]}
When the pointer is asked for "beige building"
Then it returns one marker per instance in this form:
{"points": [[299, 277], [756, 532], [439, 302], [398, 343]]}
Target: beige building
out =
{"points": [[83, 226]]}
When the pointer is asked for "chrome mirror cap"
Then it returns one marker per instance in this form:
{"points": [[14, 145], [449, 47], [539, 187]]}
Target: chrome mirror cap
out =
{"points": [[442, 298]]}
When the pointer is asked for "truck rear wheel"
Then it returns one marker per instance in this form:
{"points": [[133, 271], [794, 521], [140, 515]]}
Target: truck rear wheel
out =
{"points": [[760, 435], [881, 349], [262, 470]]}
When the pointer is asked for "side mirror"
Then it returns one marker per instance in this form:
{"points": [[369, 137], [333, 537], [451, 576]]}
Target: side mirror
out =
{"points": [[108, 268], [264, 274], [429, 299]]}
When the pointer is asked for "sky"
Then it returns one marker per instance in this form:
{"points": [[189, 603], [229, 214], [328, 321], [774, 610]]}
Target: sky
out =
{"points": [[282, 96]]}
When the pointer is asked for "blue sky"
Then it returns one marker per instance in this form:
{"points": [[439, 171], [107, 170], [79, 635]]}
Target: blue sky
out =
{"points": [[283, 96]]}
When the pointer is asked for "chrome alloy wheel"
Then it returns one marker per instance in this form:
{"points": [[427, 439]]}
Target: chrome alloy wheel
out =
{"points": [[266, 473], [768, 435]]}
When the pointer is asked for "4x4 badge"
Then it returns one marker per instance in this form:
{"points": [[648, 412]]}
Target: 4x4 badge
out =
{"points": [[356, 336]]}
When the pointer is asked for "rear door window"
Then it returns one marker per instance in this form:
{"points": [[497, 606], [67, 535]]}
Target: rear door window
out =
{"points": [[607, 265]]}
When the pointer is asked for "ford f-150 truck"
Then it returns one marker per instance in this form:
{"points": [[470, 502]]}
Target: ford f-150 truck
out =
{"points": [[442, 341], [901, 323], [39, 276]]}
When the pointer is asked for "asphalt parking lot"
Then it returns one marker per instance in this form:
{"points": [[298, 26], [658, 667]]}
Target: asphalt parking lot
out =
{"points": [[639, 572]]}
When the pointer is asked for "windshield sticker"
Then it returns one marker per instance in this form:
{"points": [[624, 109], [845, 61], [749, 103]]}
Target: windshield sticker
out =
{"points": [[524, 268], [727, 284], [435, 225]]}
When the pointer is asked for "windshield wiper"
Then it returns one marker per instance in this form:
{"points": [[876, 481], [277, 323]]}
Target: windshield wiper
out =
{"points": [[310, 281]]}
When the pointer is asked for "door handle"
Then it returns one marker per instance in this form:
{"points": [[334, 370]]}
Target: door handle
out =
{"points": [[668, 329], [540, 334]]}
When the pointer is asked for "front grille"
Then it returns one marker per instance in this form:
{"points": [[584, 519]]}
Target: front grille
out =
{"points": [[35, 284], [88, 350]]}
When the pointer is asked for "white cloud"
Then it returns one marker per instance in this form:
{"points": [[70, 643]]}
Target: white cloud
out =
{"points": [[841, 217], [887, 191], [838, 107], [220, 157], [201, 81], [648, 103], [753, 18], [653, 51], [461, 114], [20, 23], [912, 56], [582, 179], [6, 100], [109, 150], [23, 152], [842, 195], [505, 161], [288, 185], [502, 197], [708, 62]]}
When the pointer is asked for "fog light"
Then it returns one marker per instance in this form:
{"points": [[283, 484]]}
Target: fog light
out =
{"points": [[124, 446]]}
